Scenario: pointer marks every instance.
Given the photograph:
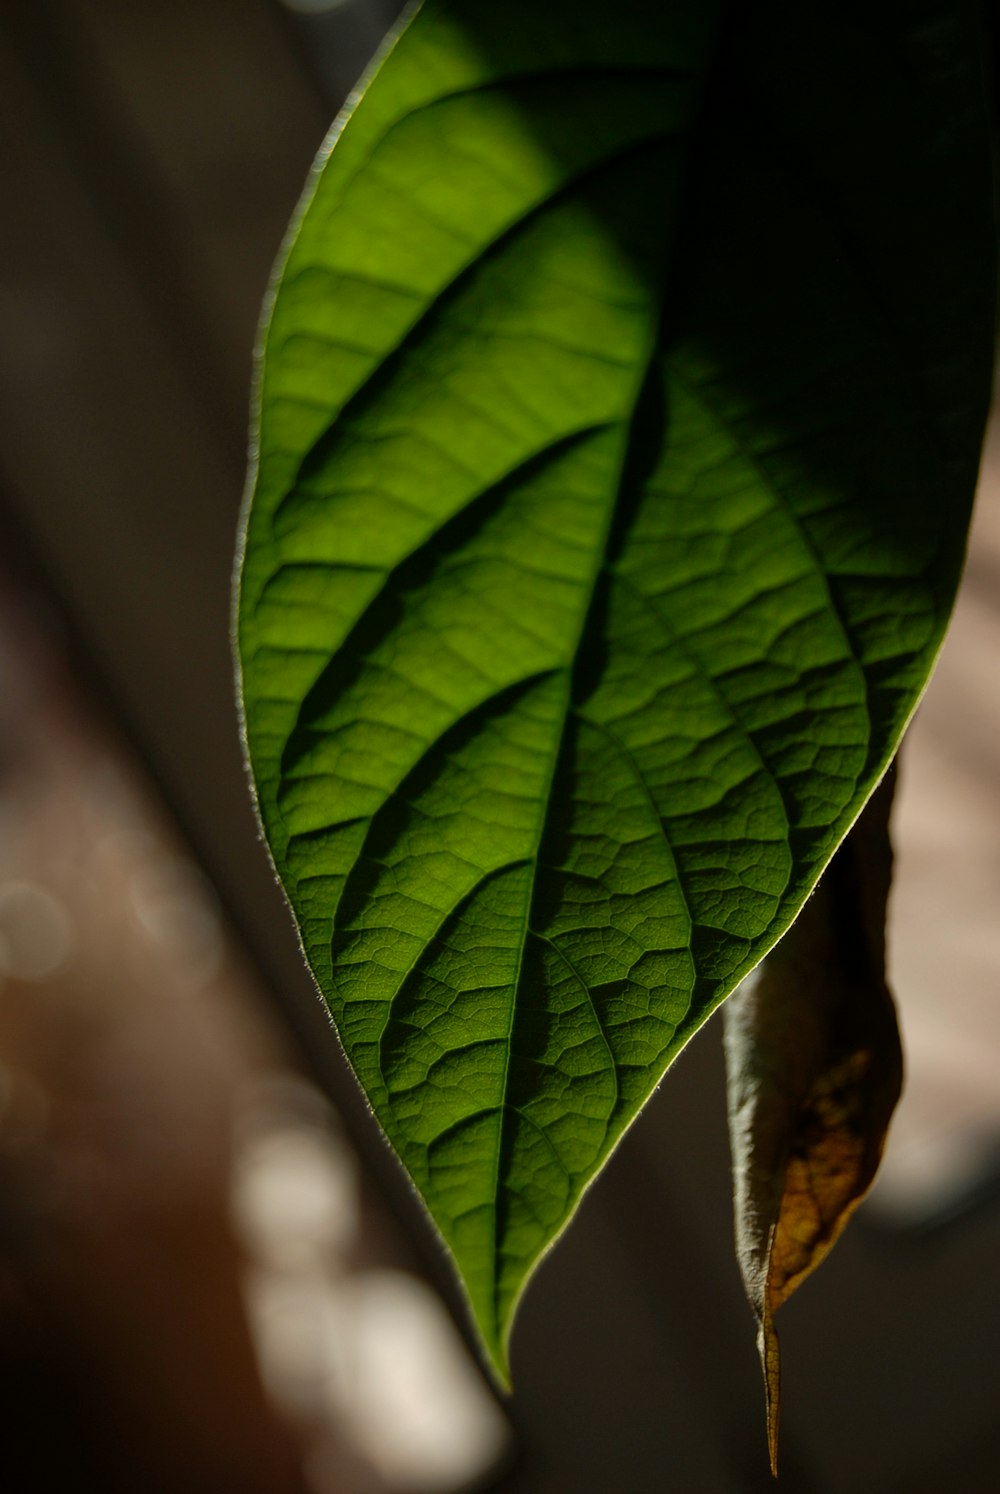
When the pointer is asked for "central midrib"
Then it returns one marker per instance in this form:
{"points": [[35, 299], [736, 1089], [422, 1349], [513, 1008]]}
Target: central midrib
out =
{"points": [[591, 592]]}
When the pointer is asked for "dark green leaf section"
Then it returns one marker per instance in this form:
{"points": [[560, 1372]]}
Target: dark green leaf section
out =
{"points": [[616, 453]]}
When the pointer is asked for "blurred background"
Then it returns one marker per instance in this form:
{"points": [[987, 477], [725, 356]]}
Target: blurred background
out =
{"points": [[212, 1274]]}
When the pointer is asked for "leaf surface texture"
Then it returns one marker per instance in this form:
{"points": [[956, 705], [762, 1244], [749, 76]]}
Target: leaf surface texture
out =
{"points": [[604, 530]]}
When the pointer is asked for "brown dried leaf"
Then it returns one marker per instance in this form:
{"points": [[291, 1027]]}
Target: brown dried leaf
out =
{"points": [[814, 1073]]}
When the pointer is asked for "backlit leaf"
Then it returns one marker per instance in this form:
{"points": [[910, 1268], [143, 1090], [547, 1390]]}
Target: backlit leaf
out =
{"points": [[619, 419]]}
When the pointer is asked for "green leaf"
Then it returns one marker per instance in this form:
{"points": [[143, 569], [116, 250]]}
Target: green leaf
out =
{"points": [[619, 420], [814, 1071]]}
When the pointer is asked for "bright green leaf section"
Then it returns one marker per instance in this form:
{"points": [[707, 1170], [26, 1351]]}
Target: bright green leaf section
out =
{"points": [[620, 413]]}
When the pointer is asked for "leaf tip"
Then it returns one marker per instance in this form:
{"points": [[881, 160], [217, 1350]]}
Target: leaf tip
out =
{"points": [[497, 1362], [770, 1359], [492, 1337]]}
